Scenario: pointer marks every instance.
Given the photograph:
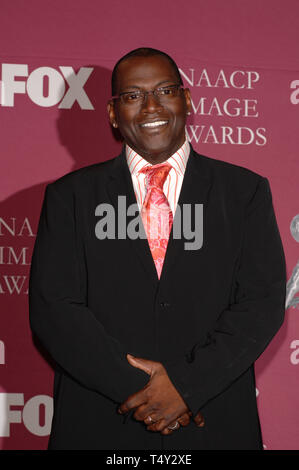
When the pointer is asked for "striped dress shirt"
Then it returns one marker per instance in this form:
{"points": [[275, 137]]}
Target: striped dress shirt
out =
{"points": [[173, 182]]}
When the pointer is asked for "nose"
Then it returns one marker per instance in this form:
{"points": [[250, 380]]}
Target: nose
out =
{"points": [[151, 103]]}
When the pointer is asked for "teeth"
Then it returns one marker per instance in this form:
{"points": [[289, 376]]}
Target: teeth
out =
{"points": [[154, 124]]}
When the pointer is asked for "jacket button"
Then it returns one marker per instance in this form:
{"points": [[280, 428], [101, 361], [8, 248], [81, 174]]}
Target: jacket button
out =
{"points": [[164, 304]]}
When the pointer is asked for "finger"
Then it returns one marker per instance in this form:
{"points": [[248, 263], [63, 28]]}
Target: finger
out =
{"points": [[164, 422], [133, 401], [199, 420], [151, 419], [143, 412], [152, 423], [167, 432], [184, 420], [140, 363], [158, 426], [174, 426]]}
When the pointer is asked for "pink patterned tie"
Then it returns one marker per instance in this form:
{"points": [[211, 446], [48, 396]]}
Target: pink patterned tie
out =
{"points": [[156, 213]]}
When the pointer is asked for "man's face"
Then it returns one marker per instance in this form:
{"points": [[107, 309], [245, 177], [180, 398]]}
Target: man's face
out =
{"points": [[155, 144]]}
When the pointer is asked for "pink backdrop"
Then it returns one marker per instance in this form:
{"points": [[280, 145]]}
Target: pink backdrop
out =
{"points": [[241, 63]]}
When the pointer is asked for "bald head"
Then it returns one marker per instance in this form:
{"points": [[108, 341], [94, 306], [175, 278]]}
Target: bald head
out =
{"points": [[142, 52]]}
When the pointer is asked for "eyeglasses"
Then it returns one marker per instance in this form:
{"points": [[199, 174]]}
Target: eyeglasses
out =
{"points": [[163, 95]]}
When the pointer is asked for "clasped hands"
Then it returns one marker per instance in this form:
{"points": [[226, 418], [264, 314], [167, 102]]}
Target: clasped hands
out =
{"points": [[159, 405]]}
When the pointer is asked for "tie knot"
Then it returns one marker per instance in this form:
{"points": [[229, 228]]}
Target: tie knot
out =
{"points": [[157, 174]]}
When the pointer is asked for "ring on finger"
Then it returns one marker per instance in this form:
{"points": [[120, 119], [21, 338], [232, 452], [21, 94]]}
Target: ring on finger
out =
{"points": [[150, 419], [174, 426]]}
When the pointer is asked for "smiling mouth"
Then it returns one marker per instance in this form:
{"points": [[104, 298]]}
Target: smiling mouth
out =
{"points": [[153, 125]]}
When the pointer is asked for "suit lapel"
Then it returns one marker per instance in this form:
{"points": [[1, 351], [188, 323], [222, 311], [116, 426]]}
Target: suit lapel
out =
{"points": [[195, 190]]}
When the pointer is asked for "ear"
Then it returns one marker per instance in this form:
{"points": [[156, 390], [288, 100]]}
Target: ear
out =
{"points": [[188, 100], [111, 113]]}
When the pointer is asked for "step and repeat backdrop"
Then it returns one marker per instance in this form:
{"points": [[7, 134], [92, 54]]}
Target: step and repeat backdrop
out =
{"points": [[239, 62]]}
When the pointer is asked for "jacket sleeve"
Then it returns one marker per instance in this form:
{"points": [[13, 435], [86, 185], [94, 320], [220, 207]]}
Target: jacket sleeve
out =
{"points": [[58, 313], [255, 314]]}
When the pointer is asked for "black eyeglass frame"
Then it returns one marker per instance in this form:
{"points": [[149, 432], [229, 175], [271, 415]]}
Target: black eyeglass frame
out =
{"points": [[143, 93]]}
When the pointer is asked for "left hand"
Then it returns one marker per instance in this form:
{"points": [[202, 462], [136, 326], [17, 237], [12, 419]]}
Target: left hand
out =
{"points": [[159, 399]]}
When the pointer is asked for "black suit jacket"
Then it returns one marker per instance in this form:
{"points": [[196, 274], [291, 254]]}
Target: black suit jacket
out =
{"points": [[207, 319]]}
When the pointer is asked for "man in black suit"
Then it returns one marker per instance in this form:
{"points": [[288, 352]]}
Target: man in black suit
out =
{"points": [[170, 351]]}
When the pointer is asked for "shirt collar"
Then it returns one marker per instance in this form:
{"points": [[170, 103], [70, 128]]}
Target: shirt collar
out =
{"points": [[178, 160]]}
